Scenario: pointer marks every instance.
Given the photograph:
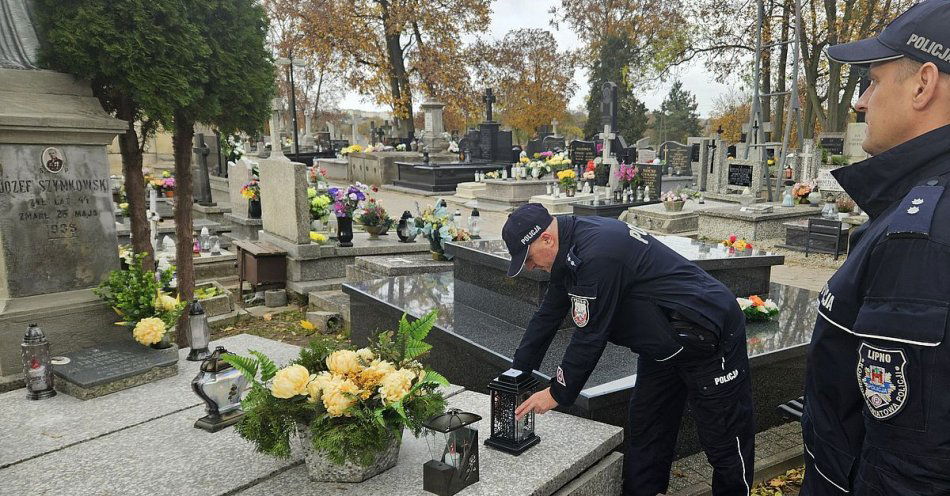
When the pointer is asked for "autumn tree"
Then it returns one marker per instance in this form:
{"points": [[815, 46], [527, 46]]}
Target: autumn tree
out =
{"points": [[677, 118], [730, 111], [612, 65], [393, 49], [531, 78]]}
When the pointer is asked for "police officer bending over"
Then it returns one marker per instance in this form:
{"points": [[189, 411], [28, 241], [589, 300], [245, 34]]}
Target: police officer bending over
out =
{"points": [[877, 408], [623, 286]]}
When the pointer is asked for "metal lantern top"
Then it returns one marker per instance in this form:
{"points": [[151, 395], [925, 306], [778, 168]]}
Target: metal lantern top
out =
{"points": [[214, 363], [451, 420], [34, 335], [196, 308], [513, 381]]}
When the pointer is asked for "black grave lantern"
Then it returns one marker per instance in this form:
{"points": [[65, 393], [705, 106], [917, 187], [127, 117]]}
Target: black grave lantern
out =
{"points": [[405, 228], [508, 434], [453, 446], [37, 372], [220, 386]]}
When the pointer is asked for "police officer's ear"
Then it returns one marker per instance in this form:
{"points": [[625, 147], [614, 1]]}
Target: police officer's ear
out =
{"points": [[931, 86]]}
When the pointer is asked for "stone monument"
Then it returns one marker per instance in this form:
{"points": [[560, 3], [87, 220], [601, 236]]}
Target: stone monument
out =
{"points": [[433, 126], [57, 227]]}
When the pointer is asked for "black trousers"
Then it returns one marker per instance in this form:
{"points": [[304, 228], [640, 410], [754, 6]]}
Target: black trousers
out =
{"points": [[719, 393]]}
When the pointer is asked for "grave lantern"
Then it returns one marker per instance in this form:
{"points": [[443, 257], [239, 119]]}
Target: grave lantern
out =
{"points": [[199, 335], [37, 371], [474, 219], [215, 245], [453, 446], [220, 386], [509, 434], [405, 228], [204, 239]]}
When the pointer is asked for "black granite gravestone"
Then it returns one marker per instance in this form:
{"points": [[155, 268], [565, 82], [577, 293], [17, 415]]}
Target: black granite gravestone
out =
{"points": [[678, 160], [533, 147], [112, 367], [834, 145], [652, 176], [740, 175], [582, 151], [552, 144]]}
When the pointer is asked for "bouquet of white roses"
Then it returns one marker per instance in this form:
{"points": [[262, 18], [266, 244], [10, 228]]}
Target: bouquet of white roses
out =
{"points": [[757, 309]]}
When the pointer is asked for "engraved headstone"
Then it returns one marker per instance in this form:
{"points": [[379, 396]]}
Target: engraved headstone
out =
{"points": [[582, 151], [833, 143], [111, 367], [652, 177], [740, 175]]}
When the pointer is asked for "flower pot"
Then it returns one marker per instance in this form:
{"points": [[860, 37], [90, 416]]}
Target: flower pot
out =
{"points": [[320, 469], [674, 206], [344, 231], [375, 231], [167, 340], [254, 209], [169, 193]]}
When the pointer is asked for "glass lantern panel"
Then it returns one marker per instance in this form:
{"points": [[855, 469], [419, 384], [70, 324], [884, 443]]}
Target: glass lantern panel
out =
{"points": [[200, 334], [503, 415], [36, 367]]}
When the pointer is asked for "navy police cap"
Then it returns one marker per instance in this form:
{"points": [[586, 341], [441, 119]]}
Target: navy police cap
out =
{"points": [[922, 33], [524, 225]]}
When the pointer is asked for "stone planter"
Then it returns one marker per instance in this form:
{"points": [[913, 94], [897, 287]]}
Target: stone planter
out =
{"points": [[674, 206], [216, 305], [319, 469], [375, 231]]}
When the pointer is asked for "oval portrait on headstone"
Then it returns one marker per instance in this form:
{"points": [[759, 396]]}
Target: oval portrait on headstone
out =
{"points": [[53, 160]]}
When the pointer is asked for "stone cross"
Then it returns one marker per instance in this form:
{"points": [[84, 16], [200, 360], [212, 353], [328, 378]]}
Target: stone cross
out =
{"points": [[276, 150], [202, 181], [353, 127], [554, 124], [489, 99], [306, 120]]}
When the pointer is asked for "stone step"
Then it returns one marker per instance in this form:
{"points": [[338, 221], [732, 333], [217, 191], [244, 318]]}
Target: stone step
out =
{"points": [[304, 288], [334, 301]]}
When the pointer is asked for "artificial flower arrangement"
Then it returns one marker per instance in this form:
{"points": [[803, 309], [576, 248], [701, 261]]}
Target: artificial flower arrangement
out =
{"points": [[567, 178], [136, 295], [557, 161], [629, 175], [401, 147], [318, 238], [537, 169], [800, 192], [233, 149], [252, 190], [353, 402], [351, 149], [318, 175], [437, 225], [349, 200], [845, 205], [675, 196], [374, 216], [319, 204], [493, 175], [757, 309], [734, 242]]}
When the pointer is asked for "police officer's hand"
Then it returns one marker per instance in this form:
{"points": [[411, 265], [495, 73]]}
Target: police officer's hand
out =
{"points": [[539, 402]]}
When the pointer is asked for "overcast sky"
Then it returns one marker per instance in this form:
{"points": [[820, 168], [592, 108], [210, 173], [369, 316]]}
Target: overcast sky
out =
{"points": [[515, 14]]}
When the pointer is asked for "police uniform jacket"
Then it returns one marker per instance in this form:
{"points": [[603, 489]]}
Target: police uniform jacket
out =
{"points": [[620, 285], [878, 365]]}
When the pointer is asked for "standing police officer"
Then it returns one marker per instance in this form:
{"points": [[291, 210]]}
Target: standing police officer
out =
{"points": [[623, 286], [877, 412]]}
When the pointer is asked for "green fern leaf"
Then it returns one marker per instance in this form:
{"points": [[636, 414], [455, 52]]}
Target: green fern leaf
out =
{"points": [[415, 349], [401, 410], [246, 365], [419, 329], [433, 377], [267, 366]]}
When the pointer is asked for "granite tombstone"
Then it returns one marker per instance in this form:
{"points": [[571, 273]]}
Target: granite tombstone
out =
{"points": [[582, 151]]}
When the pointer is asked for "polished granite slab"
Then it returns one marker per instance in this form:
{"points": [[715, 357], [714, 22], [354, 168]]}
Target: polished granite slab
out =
{"points": [[471, 346]]}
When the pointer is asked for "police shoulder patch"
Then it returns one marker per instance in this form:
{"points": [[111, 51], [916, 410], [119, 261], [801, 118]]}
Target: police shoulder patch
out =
{"points": [[914, 215], [882, 380]]}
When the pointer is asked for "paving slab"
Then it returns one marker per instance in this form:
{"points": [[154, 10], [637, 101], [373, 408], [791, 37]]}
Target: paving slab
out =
{"points": [[35, 428], [569, 446]]}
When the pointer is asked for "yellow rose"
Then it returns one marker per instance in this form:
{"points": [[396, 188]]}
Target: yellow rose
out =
{"points": [[163, 302], [370, 376], [344, 362], [338, 396], [316, 385], [290, 381], [365, 354], [395, 386], [149, 330]]}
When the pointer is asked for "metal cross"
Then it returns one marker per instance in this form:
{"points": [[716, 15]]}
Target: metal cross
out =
{"points": [[489, 99]]}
